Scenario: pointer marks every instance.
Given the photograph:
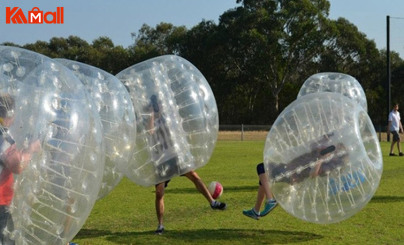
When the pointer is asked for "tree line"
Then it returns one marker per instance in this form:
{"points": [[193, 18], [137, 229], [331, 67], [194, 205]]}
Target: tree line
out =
{"points": [[255, 58]]}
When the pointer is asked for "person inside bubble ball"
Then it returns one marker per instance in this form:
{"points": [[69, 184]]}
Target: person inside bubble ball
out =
{"points": [[395, 127], [12, 161], [164, 151], [63, 150], [323, 158], [332, 157], [264, 191]]}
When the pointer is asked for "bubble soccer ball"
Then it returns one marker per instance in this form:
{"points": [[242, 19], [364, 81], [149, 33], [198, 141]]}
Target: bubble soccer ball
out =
{"points": [[177, 119], [56, 191], [335, 82], [215, 189], [323, 158], [114, 106]]}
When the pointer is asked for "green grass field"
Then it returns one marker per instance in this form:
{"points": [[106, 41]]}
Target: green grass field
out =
{"points": [[127, 214]]}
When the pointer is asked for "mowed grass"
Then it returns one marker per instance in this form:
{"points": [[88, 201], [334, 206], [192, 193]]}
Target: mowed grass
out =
{"points": [[127, 214]]}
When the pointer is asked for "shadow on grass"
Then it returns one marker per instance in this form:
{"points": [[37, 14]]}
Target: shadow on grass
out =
{"points": [[376, 199], [385, 199], [230, 236], [226, 188]]}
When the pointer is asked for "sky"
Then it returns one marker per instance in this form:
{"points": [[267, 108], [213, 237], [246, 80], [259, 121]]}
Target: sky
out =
{"points": [[117, 19]]}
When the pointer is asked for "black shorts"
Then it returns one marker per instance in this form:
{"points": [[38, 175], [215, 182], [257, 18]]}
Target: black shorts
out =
{"points": [[167, 181], [173, 170], [260, 170], [168, 169], [396, 136]]}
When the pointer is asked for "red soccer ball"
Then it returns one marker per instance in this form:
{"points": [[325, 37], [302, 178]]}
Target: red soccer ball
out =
{"points": [[215, 189]]}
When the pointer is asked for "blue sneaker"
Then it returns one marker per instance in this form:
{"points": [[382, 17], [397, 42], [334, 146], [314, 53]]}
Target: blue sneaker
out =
{"points": [[251, 213], [269, 205]]}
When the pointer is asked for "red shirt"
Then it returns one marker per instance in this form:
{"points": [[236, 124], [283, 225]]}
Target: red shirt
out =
{"points": [[6, 187], [6, 176]]}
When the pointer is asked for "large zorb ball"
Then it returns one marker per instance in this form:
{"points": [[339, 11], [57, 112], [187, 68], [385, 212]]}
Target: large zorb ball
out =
{"points": [[55, 193], [323, 158], [337, 83], [177, 119], [114, 106]]}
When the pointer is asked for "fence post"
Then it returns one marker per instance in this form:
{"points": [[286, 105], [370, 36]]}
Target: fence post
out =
{"points": [[242, 132]]}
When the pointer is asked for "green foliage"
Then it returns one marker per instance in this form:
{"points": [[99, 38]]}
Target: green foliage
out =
{"points": [[127, 215], [256, 58]]}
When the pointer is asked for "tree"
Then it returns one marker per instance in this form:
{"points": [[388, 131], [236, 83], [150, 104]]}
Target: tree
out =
{"points": [[78, 49], [106, 56], [151, 42], [39, 47], [349, 51], [10, 44], [73, 48], [270, 43]]}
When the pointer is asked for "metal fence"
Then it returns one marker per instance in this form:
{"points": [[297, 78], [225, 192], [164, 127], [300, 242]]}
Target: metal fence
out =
{"points": [[245, 132]]}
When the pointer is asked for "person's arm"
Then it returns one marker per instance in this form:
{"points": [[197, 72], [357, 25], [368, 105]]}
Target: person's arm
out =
{"points": [[315, 171], [325, 153], [17, 160], [401, 126], [151, 123]]}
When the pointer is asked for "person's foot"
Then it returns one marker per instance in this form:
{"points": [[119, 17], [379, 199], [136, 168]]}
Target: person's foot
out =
{"points": [[218, 205], [160, 230], [251, 213], [269, 205], [401, 154], [392, 154]]}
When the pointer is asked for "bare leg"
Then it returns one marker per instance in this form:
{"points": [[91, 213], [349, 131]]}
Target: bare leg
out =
{"points": [[260, 199], [160, 202], [392, 146], [265, 185], [263, 191], [200, 186], [398, 146]]}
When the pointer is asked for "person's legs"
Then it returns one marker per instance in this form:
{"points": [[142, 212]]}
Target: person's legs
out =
{"points": [[396, 140], [264, 190], [5, 219], [260, 199], [160, 206], [398, 145], [201, 187], [3, 222], [270, 202], [255, 211], [392, 147], [265, 185]]}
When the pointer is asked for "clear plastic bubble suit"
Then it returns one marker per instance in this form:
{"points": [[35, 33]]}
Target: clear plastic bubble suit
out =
{"points": [[323, 158], [114, 105], [54, 195], [335, 82], [177, 119]]}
